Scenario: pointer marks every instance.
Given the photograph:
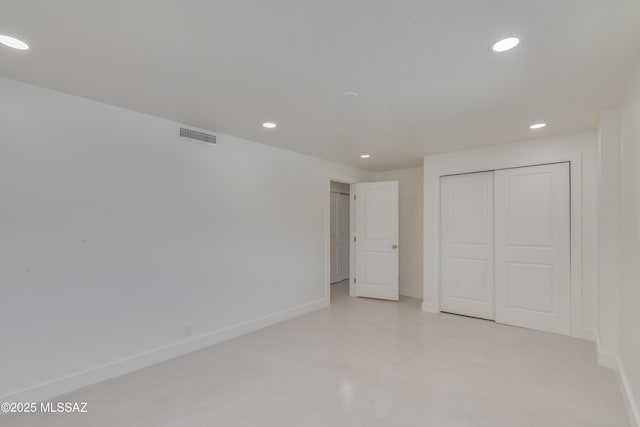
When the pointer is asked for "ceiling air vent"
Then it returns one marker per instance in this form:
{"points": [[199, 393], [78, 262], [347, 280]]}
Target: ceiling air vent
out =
{"points": [[196, 135]]}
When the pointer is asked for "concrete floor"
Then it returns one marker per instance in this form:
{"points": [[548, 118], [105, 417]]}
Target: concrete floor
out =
{"points": [[363, 363]]}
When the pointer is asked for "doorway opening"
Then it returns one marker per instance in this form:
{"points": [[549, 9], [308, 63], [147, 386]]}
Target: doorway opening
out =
{"points": [[339, 240], [362, 248]]}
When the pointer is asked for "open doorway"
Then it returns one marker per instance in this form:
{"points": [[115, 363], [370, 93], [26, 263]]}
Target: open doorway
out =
{"points": [[362, 246], [339, 239]]}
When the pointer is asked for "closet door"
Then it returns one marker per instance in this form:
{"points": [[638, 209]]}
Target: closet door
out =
{"points": [[467, 263], [343, 232], [532, 247], [334, 246]]}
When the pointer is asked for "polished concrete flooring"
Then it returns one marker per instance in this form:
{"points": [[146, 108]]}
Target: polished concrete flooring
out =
{"points": [[363, 363]]}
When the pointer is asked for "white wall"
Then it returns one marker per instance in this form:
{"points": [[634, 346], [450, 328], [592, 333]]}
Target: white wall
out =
{"points": [[577, 147], [411, 220], [608, 236], [117, 240], [619, 244], [629, 320]]}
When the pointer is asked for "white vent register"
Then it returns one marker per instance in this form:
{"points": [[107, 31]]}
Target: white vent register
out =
{"points": [[196, 135]]}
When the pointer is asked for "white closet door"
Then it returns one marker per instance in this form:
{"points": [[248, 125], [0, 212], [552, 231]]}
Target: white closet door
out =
{"points": [[532, 222], [334, 246], [467, 263], [343, 232]]}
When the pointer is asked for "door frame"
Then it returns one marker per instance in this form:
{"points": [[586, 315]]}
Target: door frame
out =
{"points": [[492, 159]]}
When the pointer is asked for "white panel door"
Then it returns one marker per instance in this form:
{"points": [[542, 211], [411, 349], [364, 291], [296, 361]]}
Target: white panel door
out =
{"points": [[377, 240], [334, 245], [343, 236], [532, 223], [467, 263]]}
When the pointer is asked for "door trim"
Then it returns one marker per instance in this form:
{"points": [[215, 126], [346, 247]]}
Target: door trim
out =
{"points": [[492, 159]]}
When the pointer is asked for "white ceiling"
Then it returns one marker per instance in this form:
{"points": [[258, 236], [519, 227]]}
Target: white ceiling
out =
{"points": [[426, 80]]}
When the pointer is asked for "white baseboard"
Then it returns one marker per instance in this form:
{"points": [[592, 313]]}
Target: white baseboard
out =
{"points": [[589, 334], [607, 360], [613, 361], [75, 381], [411, 292], [627, 393], [429, 307]]}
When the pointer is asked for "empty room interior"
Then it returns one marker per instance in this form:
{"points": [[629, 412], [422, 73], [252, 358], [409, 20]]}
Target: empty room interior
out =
{"points": [[320, 213]]}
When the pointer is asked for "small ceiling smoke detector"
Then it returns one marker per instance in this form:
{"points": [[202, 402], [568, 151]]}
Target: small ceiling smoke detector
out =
{"points": [[13, 42], [505, 44], [365, 156], [348, 96], [269, 125], [537, 126]]}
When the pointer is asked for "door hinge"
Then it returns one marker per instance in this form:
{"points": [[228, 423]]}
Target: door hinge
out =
{"points": [[354, 238], [354, 280], [354, 197]]}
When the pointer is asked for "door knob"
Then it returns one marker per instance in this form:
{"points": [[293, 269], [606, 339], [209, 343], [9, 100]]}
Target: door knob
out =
{"points": [[394, 247]]}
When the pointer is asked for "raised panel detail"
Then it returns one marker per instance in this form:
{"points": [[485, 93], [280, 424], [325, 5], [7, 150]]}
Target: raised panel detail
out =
{"points": [[531, 210], [530, 287], [470, 194], [375, 268], [464, 277], [377, 214]]}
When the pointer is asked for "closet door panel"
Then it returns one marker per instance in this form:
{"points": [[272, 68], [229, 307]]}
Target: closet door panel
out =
{"points": [[467, 263], [343, 232], [334, 245], [532, 247]]}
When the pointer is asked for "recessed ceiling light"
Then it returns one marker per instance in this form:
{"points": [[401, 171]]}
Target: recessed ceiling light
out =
{"points": [[13, 42], [365, 156], [505, 44], [537, 126], [268, 125]]}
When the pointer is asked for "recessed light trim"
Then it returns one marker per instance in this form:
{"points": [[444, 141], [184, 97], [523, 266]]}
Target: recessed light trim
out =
{"points": [[505, 44], [269, 125], [13, 42], [365, 156], [537, 126]]}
